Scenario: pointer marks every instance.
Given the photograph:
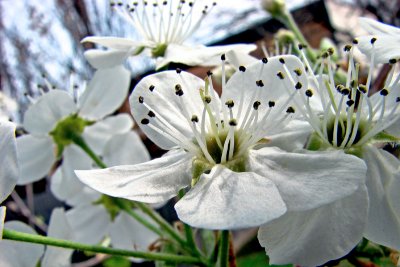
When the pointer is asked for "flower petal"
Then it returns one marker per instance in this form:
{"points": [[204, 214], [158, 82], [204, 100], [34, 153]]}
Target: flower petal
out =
{"points": [[152, 182], [225, 199], [21, 254], [58, 228], [98, 134], [8, 159], [105, 93], [117, 43], [374, 27], [385, 47], [35, 157], [103, 59], [384, 220], [310, 179], [313, 237], [199, 55], [2, 218], [89, 223], [175, 110], [42, 116], [124, 149], [127, 233]]}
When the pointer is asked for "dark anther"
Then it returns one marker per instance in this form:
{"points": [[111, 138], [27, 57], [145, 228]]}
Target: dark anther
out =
{"points": [[178, 90], [298, 85], [190, 4], [264, 60], [232, 122], [151, 114], [151, 88], [350, 102], [256, 105], [223, 57], [229, 103], [325, 54], [355, 41], [141, 99], [280, 75], [209, 73], [347, 48], [271, 104], [145, 121], [362, 88], [290, 110], [330, 51], [384, 92], [309, 93], [207, 99], [340, 87], [392, 61], [373, 40], [195, 118], [281, 60], [165, 3], [298, 72], [398, 99], [178, 70], [260, 83], [301, 46], [345, 91], [120, 4], [242, 68], [352, 83]]}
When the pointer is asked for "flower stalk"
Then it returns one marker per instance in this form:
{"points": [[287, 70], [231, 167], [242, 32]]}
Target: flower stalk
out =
{"points": [[38, 239], [224, 248]]}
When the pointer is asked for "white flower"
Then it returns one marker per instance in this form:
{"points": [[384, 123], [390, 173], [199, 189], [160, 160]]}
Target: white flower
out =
{"points": [[382, 43], [164, 27], [341, 122], [216, 147], [54, 118], [8, 165]]}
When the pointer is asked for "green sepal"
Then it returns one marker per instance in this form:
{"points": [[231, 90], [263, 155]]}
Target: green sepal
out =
{"points": [[67, 130], [138, 50], [110, 204], [384, 137], [159, 50], [316, 143], [199, 167]]}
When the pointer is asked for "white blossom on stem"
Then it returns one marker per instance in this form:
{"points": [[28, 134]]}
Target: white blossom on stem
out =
{"points": [[216, 150]]}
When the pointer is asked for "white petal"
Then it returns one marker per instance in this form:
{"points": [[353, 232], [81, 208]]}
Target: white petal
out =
{"points": [[35, 157], [375, 27], [127, 233], [58, 228], [98, 134], [239, 58], [105, 93], [385, 47], [225, 199], [43, 115], [20, 254], [313, 237], [384, 220], [8, 159], [89, 223], [242, 86], [103, 59], [310, 179], [165, 103], [112, 42], [124, 149], [2, 218], [152, 182], [200, 55]]}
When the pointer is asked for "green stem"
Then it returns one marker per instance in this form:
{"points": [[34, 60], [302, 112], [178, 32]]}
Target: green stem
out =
{"points": [[224, 248], [38, 239], [79, 141], [121, 203]]}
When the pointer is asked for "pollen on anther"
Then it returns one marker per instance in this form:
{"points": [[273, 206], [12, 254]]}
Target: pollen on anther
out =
{"points": [[355, 41], [347, 48], [298, 85], [373, 40], [207, 99], [280, 75], [340, 87], [260, 83], [145, 121], [242, 68], [256, 104], [230, 103], [151, 114], [151, 88], [384, 92], [281, 60], [264, 60], [298, 72], [178, 90], [309, 93], [362, 88], [141, 99], [345, 91], [194, 118], [271, 104], [290, 110], [232, 122]]}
